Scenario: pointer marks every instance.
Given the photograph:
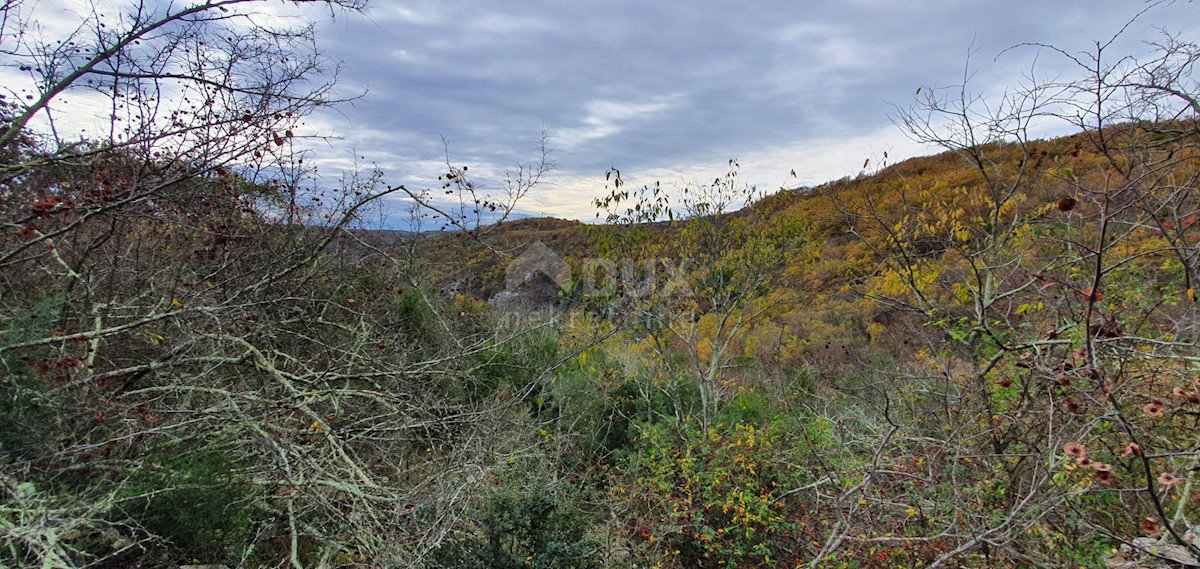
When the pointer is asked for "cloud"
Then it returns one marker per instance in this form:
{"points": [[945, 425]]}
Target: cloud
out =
{"points": [[814, 161], [671, 91], [606, 118]]}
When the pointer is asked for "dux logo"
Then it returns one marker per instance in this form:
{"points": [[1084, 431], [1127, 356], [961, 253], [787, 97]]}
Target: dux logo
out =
{"points": [[538, 258], [538, 266]]}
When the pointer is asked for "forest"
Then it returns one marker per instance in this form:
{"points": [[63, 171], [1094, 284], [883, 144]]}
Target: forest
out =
{"points": [[210, 356]]}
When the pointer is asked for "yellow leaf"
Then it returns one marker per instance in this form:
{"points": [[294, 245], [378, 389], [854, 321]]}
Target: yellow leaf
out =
{"points": [[1191, 294], [175, 303], [316, 427]]}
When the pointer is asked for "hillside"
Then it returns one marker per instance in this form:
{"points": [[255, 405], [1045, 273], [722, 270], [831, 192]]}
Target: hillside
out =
{"points": [[985, 358], [1012, 324], [845, 260]]}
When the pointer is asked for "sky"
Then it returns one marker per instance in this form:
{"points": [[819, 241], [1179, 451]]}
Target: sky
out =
{"points": [[670, 91]]}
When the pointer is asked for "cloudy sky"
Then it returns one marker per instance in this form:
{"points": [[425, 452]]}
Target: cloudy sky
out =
{"points": [[670, 91]]}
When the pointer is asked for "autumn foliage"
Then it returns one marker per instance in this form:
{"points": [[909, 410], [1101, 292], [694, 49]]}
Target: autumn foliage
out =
{"points": [[985, 357]]}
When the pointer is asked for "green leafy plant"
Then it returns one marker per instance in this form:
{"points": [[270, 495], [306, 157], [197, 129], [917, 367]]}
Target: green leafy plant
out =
{"points": [[196, 501], [720, 497], [522, 526]]}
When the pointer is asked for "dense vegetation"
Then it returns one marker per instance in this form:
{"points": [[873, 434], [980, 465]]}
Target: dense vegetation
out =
{"points": [[982, 358]]}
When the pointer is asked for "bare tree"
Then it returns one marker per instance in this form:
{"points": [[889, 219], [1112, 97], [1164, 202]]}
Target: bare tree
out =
{"points": [[1062, 351], [702, 287], [184, 327]]}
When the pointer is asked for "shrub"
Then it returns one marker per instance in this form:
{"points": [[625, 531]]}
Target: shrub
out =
{"points": [[526, 526], [517, 363], [604, 404], [718, 497], [197, 502]]}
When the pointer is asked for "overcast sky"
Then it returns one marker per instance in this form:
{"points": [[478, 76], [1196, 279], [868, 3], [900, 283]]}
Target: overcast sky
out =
{"points": [[671, 90]]}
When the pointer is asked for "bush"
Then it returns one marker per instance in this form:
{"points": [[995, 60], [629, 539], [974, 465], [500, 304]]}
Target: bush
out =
{"points": [[718, 497], [25, 409], [197, 502], [516, 363], [605, 405], [526, 526]]}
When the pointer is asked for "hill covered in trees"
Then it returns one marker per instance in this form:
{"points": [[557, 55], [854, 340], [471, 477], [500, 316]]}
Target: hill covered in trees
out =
{"points": [[1010, 323], [982, 358]]}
